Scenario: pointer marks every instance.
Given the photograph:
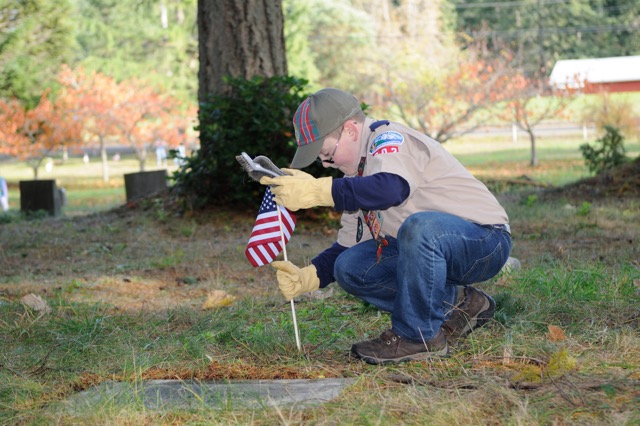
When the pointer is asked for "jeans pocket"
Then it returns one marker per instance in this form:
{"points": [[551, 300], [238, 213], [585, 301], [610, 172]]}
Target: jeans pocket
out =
{"points": [[486, 267]]}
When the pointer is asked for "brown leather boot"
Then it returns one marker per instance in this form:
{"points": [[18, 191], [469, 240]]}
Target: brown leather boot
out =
{"points": [[391, 348], [475, 310]]}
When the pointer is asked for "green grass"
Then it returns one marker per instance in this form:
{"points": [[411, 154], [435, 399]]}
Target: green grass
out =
{"points": [[472, 152], [46, 358], [559, 160]]}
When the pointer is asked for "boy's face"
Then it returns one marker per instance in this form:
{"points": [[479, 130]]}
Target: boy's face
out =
{"points": [[343, 152]]}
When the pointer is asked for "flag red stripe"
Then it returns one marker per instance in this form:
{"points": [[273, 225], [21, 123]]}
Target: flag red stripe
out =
{"points": [[265, 241]]}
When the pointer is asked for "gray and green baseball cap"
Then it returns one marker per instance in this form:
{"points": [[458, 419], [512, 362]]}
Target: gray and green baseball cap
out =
{"points": [[316, 117]]}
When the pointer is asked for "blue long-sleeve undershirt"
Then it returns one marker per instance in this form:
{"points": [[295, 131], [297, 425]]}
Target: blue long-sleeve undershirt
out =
{"points": [[324, 263], [376, 192]]}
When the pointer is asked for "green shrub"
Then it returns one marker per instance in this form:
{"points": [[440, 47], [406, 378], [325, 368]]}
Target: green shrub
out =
{"points": [[254, 116], [607, 153], [6, 218]]}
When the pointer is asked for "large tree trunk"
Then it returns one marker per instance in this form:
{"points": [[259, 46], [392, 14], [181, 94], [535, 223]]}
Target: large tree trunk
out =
{"points": [[239, 38]]}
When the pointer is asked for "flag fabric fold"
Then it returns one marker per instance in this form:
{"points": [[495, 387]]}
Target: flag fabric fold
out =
{"points": [[265, 242]]}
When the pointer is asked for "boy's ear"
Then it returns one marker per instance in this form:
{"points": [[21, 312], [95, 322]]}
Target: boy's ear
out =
{"points": [[351, 127]]}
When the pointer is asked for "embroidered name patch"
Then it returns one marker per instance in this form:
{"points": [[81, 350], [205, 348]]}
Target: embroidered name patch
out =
{"points": [[385, 143]]}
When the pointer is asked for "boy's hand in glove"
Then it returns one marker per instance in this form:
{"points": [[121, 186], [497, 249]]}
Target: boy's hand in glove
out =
{"points": [[299, 190], [294, 281]]}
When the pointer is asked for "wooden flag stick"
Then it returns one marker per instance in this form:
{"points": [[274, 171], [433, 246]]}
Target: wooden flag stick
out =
{"points": [[293, 305]]}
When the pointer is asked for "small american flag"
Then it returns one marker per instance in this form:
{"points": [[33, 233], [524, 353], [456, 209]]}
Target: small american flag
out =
{"points": [[265, 242]]}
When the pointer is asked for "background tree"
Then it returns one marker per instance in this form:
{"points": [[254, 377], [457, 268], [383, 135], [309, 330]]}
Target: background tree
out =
{"points": [[124, 39], [158, 39], [239, 38], [243, 40], [351, 44], [152, 39], [31, 135], [448, 102], [537, 101], [128, 112], [93, 97], [143, 118], [36, 36], [543, 31], [330, 43], [298, 17]]}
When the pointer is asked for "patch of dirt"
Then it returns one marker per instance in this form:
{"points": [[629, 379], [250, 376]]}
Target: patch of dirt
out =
{"points": [[619, 182], [148, 258], [238, 370]]}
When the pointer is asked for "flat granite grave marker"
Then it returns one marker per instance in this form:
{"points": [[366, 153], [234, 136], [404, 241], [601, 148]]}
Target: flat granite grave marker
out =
{"points": [[236, 394]]}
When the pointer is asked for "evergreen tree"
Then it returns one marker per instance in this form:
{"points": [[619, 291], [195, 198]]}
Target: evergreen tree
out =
{"points": [[155, 39], [543, 31], [36, 36]]}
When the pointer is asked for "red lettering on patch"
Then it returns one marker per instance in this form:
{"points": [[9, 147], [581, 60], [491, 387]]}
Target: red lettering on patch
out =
{"points": [[385, 150]]}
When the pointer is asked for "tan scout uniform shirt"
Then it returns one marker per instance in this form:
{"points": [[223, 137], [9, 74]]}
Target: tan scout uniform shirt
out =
{"points": [[437, 182]]}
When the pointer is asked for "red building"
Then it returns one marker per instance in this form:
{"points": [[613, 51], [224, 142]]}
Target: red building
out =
{"points": [[617, 74]]}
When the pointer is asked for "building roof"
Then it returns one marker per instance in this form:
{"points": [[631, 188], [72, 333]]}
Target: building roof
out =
{"points": [[597, 70]]}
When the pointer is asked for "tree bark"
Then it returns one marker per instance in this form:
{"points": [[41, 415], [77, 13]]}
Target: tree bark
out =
{"points": [[239, 38], [534, 153]]}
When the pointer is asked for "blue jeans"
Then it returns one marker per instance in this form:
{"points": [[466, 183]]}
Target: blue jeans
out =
{"points": [[418, 274]]}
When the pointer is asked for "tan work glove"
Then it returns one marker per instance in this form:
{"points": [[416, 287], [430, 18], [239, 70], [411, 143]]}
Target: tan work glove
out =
{"points": [[300, 190], [294, 281]]}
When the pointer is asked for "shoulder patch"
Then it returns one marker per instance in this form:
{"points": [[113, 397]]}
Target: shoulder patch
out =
{"points": [[386, 142]]}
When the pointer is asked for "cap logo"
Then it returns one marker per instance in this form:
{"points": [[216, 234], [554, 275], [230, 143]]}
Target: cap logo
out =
{"points": [[306, 130]]}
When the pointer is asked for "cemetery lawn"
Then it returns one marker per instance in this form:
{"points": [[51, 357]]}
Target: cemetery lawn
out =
{"points": [[140, 292]]}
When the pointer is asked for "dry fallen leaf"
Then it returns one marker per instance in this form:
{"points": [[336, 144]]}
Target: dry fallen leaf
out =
{"points": [[218, 299], [556, 334], [36, 303], [319, 294]]}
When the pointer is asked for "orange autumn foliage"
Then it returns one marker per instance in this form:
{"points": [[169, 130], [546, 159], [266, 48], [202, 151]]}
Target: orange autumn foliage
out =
{"points": [[458, 102], [94, 98], [127, 112], [92, 110], [31, 135]]}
